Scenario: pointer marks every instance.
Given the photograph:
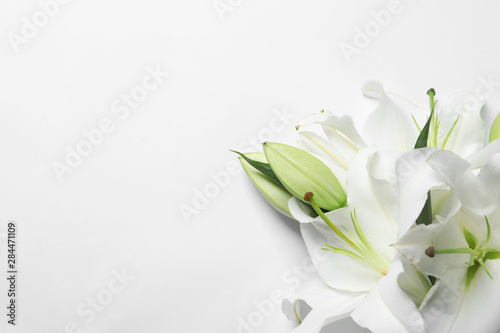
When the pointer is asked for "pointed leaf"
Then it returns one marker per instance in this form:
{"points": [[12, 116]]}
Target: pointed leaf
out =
{"points": [[263, 167], [471, 272], [472, 241], [274, 193], [492, 255], [424, 135], [425, 216]]}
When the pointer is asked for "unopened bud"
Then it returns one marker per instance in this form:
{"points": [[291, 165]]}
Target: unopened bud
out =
{"points": [[301, 172]]}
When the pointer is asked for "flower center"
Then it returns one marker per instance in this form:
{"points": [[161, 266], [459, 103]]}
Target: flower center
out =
{"points": [[479, 252], [361, 249]]}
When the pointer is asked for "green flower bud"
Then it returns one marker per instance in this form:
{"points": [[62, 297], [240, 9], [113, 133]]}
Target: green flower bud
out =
{"points": [[274, 193], [301, 172]]}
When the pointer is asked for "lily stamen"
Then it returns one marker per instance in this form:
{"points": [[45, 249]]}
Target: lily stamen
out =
{"points": [[364, 252], [479, 252]]}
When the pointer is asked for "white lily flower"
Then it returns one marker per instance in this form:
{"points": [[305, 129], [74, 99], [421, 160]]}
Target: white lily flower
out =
{"points": [[352, 254], [458, 127], [461, 248]]}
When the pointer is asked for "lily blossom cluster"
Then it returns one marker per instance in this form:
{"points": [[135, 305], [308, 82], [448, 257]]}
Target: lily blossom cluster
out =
{"points": [[402, 222]]}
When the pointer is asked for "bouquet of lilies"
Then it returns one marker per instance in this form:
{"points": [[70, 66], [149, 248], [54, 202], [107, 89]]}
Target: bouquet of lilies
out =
{"points": [[402, 223]]}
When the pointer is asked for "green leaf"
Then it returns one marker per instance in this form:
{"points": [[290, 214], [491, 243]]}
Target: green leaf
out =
{"points": [[471, 271], [424, 135], [470, 238], [301, 172], [274, 193], [492, 255], [263, 167], [425, 216], [495, 129]]}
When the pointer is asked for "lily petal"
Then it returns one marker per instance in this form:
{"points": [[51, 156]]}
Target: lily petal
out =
{"points": [[315, 144], [371, 183], [415, 178], [315, 305], [480, 157], [333, 125], [468, 134], [445, 203], [414, 244], [387, 308], [448, 165], [390, 126], [300, 211], [488, 179], [455, 172], [451, 308]]}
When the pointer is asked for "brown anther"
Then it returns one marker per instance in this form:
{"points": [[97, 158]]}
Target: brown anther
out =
{"points": [[308, 196], [430, 251]]}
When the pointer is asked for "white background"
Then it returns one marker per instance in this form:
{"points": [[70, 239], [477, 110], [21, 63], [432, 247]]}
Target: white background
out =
{"points": [[119, 209]]}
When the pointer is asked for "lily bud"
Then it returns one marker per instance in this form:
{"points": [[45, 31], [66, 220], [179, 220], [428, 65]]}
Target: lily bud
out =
{"points": [[301, 172], [273, 192], [495, 129]]}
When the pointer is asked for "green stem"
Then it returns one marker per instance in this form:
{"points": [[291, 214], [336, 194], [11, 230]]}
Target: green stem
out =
{"points": [[465, 250], [433, 135]]}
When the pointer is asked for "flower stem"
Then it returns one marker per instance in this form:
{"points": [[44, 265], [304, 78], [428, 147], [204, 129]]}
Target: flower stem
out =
{"points": [[434, 122]]}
